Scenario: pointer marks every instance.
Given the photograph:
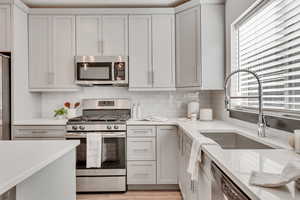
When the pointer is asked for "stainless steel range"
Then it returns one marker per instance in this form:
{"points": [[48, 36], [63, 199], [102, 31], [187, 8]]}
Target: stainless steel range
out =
{"points": [[106, 117]]}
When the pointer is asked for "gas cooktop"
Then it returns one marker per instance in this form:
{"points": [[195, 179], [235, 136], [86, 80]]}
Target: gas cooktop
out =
{"points": [[100, 119]]}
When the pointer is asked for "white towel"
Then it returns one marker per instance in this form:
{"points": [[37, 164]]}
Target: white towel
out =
{"points": [[291, 172], [195, 157], [155, 118], [93, 150]]}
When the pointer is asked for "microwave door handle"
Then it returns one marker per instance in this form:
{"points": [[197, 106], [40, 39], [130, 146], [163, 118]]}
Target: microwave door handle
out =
{"points": [[113, 71]]}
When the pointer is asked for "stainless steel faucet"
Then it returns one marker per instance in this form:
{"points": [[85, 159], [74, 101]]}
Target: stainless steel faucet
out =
{"points": [[261, 119]]}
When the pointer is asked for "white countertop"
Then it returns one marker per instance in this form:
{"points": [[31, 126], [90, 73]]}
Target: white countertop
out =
{"points": [[40, 122], [238, 164], [21, 159]]}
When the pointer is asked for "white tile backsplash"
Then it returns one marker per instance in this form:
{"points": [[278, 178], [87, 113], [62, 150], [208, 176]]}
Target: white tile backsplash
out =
{"points": [[167, 104]]}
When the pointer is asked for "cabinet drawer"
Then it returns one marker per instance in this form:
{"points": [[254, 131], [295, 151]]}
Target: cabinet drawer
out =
{"points": [[39, 131], [91, 184], [141, 172], [141, 131], [141, 149]]}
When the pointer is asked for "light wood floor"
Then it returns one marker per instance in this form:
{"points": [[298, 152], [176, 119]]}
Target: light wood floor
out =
{"points": [[133, 195]]}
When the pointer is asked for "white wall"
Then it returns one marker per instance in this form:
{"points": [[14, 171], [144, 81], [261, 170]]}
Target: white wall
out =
{"points": [[25, 104], [168, 104], [233, 9]]}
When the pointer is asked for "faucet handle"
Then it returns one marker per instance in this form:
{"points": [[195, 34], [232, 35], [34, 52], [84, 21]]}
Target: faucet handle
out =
{"points": [[226, 101]]}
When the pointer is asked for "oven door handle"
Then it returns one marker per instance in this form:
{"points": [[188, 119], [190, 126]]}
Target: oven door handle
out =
{"points": [[114, 135], [104, 135]]}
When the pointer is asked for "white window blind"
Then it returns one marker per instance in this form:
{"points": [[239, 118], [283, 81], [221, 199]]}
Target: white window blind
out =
{"points": [[268, 43]]}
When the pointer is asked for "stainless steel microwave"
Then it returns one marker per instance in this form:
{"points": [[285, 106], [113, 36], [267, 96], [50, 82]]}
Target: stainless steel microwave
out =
{"points": [[101, 70]]}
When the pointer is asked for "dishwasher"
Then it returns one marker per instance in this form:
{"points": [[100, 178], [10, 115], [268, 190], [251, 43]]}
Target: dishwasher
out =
{"points": [[223, 188]]}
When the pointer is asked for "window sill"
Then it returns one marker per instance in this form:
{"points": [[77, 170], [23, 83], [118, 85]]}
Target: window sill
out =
{"points": [[281, 121]]}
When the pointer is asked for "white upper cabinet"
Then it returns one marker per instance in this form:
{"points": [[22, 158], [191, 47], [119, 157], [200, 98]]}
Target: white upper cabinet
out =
{"points": [[88, 33], [167, 155], [105, 35], [51, 53], [151, 52], [163, 44], [188, 72], [39, 52], [115, 35], [200, 47], [140, 51], [63, 51], [5, 28]]}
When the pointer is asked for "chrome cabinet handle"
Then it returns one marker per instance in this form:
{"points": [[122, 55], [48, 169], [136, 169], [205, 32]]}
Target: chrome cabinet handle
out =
{"points": [[50, 78], [152, 77], [37, 132], [141, 174], [100, 46], [139, 150], [192, 186], [141, 131], [141, 165], [149, 77]]}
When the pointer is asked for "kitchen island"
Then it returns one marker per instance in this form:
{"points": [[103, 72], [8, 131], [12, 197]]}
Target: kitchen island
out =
{"points": [[38, 169]]}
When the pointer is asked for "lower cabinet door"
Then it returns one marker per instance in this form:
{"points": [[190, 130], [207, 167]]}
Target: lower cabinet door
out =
{"points": [[167, 155], [204, 186], [141, 172]]}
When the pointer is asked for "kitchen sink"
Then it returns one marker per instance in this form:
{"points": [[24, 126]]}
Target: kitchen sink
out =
{"points": [[232, 140]]}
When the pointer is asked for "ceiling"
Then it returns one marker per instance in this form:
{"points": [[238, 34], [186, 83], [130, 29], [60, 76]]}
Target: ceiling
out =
{"points": [[101, 3]]}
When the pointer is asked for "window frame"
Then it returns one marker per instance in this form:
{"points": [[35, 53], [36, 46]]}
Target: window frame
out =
{"points": [[277, 113]]}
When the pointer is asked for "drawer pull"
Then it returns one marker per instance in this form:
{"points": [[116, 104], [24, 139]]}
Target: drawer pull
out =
{"points": [[140, 150], [37, 132], [141, 165], [137, 131], [141, 174]]}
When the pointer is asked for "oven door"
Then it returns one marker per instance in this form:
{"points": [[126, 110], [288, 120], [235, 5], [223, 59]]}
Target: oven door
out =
{"points": [[113, 151]]}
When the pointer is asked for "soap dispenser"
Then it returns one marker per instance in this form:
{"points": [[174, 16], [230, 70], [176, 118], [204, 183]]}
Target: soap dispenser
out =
{"points": [[139, 111]]}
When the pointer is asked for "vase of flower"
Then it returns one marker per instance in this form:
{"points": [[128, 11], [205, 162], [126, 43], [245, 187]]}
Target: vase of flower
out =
{"points": [[72, 109]]}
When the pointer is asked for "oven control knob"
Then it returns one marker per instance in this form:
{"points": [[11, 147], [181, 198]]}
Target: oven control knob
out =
{"points": [[116, 127], [74, 128], [108, 127], [81, 127]]}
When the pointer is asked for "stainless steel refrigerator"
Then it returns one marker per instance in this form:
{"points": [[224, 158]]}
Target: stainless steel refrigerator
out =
{"points": [[5, 110], [5, 93]]}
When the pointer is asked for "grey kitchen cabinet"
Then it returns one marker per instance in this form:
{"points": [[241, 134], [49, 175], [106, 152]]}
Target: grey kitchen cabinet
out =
{"points": [[152, 155], [187, 43], [104, 35], [200, 47], [51, 53], [152, 52], [167, 155], [141, 131], [141, 172], [141, 148], [5, 28], [141, 155], [38, 132], [140, 51]]}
